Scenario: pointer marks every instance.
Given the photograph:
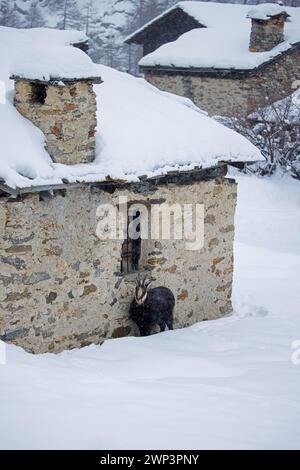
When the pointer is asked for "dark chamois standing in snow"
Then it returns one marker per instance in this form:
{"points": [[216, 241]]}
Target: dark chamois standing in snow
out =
{"points": [[151, 307]]}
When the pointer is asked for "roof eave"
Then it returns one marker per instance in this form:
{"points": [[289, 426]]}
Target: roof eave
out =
{"points": [[137, 36], [133, 36], [195, 70], [171, 177], [219, 71], [56, 80]]}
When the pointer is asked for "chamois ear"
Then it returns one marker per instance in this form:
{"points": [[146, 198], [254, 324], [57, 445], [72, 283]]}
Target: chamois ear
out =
{"points": [[147, 282]]}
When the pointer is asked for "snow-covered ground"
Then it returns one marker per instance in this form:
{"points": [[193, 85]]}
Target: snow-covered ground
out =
{"points": [[229, 383]]}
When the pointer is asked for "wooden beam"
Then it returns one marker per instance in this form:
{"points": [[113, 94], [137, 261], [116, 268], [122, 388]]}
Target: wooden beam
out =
{"points": [[172, 177], [56, 80], [7, 190]]}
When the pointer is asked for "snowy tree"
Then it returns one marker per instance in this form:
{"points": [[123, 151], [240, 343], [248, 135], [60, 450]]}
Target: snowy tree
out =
{"points": [[35, 16], [9, 15], [145, 10], [275, 130], [89, 14], [70, 16]]}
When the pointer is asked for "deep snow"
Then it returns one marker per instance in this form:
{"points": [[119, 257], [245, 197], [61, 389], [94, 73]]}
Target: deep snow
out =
{"points": [[265, 11], [229, 383], [53, 63]]}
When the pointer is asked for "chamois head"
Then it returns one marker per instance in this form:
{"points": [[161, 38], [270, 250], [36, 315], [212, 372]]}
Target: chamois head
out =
{"points": [[141, 289]]}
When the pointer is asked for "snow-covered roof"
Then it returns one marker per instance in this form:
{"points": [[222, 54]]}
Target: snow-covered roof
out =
{"points": [[58, 63], [141, 130], [28, 58], [48, 36], [224, 41], [266, 11]]}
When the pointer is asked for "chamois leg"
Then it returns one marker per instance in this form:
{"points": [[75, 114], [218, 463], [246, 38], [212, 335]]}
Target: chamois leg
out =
{"points": [[145, 330], [169, 323], [162, 325]]}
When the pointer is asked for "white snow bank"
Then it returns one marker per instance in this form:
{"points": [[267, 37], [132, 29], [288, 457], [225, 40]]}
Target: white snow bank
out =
{"points": [[141, 130], [224, 384], [224, 42], [45, 36], [57, 62], [55, 37], [43, 53], [266, 11], [21, 149]]}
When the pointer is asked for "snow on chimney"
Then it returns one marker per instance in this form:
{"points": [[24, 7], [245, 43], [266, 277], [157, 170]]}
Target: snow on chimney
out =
{"points": [[267, 26], [54, 90]]}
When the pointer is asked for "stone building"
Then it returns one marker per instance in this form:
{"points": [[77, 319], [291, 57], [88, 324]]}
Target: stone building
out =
{"points": [[61, 285], [227, 59]]}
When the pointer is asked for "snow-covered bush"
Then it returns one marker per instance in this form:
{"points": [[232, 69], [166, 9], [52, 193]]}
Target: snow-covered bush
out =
{"points": [[275, 130]]}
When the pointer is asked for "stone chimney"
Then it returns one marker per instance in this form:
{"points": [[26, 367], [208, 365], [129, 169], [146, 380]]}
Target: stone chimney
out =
{"points": [[267, 27], [65, 111]]}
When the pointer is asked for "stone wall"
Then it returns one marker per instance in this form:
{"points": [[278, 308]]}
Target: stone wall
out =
{"points": [[66, 113], [61, 286], [233, 94], [266, 34]]}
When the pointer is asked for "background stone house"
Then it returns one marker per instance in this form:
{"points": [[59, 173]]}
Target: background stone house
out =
{"points": [[61, 286], [227, 59]]}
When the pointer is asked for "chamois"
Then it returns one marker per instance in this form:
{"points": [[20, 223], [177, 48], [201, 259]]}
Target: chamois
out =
{"points": [[151, 307]]}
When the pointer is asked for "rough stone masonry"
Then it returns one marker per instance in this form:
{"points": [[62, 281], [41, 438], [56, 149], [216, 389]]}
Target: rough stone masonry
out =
{"points": [[266, 34], [232, 94], [65, 112], [61, 286]]}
